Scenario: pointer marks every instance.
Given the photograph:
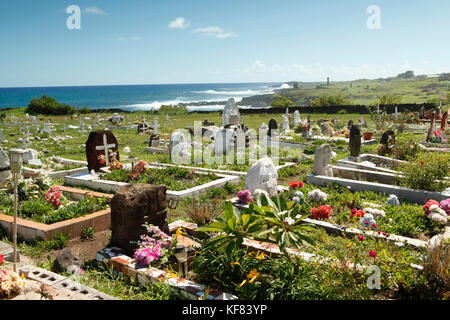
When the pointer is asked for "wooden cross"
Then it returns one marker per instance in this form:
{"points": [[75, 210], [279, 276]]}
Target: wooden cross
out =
{"points": [[105, 147]]}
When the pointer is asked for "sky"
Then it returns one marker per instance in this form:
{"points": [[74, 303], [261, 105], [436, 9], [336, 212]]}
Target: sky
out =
{"points": [[219, 41]]}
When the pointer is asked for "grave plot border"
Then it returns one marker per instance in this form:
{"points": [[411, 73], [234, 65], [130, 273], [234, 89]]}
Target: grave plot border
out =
{"points": [[412, 195], [31, 230], [112, 186], [126, 266], [242, 174]]}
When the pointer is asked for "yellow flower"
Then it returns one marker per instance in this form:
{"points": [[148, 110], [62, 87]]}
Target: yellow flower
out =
{"points": [[253, 275], [261, 256], [349, 244], [235, 263], [242, 283], [251, 253], [179, 232]]}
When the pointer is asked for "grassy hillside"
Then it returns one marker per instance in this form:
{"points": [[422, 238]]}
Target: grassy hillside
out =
{"points": [[364, 92]]}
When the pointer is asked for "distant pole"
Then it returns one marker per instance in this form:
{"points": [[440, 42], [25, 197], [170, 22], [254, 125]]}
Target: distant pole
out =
{"points": [[328, 81]]}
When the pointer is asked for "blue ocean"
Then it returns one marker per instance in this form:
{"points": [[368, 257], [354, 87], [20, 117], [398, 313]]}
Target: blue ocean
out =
{"points": [[139, 97]]}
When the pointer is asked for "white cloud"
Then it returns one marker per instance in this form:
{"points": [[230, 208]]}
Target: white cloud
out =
{"points": [[179, 23], [214, 31], [95, 10], [132, 38]]}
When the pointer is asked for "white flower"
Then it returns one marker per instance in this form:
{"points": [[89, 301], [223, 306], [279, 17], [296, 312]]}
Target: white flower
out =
{"points": [[126, 150], [289, 220], [317, 195], [375, 212], [298, 216]]}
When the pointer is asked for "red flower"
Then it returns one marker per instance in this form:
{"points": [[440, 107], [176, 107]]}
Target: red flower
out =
{"points": [[321, 212], [372, 253], [357, 213], [374, 226], [360, 238], [427, 206], [2, 259], [422, 162], [296, 184]]}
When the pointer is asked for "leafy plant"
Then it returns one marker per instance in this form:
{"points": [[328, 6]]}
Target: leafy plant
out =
{"points": [[87, 233]]}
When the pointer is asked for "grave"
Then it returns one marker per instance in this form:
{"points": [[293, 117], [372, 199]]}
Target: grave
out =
{"points": [[99, 143]]}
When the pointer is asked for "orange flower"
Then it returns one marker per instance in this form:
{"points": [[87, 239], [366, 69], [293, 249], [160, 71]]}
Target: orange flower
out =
{"points": [[261, 256], [253, 275]]}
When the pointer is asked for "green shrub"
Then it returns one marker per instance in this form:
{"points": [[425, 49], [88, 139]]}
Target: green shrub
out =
{"points": [[48, 105], [426, 171]]}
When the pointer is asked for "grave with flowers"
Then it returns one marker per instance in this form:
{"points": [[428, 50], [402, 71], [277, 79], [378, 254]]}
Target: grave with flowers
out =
{"points": [[45, 211]]}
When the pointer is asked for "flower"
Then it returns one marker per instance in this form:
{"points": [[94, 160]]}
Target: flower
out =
{"points": [[360, 238], [289, 221], [445, 205], [321, 212], [261, 256], [357, 213], [426, 207], [317, 195], [253, 275], [372, 253], [422, 162], [245, 196], [2, 257], [234, 263], [296, 184]]}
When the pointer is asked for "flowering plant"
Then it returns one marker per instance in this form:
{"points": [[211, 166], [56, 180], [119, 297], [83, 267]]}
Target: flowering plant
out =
{"points": [[437, 214], [2, 259], [10, 283], [296, 184], [317, 195], [426, 207], [357, 213], [245, 196], [138, 169], [368, 221], [436, 137], [153, 246], [445, 205], [321, 212], [53, 196]]}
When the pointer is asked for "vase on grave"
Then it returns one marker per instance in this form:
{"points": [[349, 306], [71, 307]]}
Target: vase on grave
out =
{"points": [[367, 135]]}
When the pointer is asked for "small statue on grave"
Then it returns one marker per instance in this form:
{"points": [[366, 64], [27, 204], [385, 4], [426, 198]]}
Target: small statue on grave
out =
{"points": [[355, 142], [387, 142]]}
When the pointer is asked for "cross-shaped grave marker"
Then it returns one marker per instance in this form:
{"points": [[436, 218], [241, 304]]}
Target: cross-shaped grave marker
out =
{"points": [[105, 147]]}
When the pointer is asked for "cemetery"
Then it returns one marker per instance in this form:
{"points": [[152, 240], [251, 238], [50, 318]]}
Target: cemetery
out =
{"points": [[242, 210]]}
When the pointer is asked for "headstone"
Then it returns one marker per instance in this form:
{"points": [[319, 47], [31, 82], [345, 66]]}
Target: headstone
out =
{"points": [[355, 143], [230, 109], [155, 141], [263, 133], [102, 142], [64, 260], [132, 206], [223, 141], [297, 118], [273, 127], [444, 121], [262, 175], [322, 161], [5, 169], [396, 113], [285, 124], [326, 129], [180, 147]]}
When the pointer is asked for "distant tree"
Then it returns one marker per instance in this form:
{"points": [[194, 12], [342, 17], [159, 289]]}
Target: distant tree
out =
{"points": [[329, 101], [406, 75], [387, 100], [282, 102], [444, 77]]}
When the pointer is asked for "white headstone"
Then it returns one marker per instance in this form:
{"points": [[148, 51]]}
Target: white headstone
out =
{"points": [[231, 109], [262, 175], [297, 118], [285, 123]]}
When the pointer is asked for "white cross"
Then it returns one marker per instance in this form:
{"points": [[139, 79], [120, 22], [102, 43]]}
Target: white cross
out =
{"points": [[105, 147]]}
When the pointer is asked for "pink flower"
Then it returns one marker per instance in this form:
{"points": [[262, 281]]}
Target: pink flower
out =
{"points": [[360, 238], [445, 205], [372, 253], [245, 196]]}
